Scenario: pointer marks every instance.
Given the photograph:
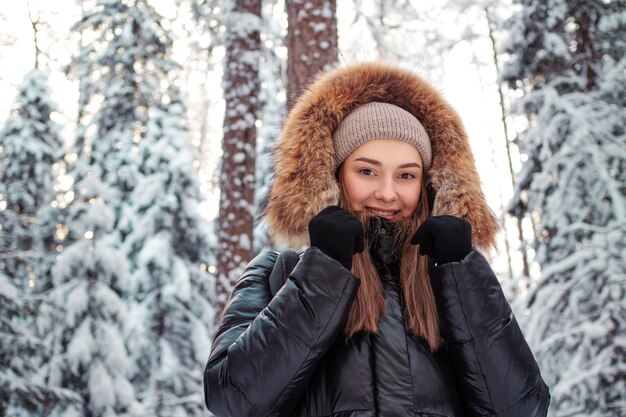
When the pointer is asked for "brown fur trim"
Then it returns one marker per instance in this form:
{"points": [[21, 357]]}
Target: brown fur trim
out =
{"points": [[304, 182]]}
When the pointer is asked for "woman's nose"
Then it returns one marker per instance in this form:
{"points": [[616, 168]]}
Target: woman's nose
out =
{"points": [[385, 191]]}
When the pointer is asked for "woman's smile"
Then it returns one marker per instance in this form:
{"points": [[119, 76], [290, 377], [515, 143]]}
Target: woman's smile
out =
{"points": [[386, 213]]}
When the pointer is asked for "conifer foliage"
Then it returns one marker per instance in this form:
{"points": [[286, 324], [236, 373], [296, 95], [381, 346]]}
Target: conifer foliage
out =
{"points": [[136, 302], [569, 57], [169, 333], [29, 146], [88, 339], [24, 389], [119, 68]]}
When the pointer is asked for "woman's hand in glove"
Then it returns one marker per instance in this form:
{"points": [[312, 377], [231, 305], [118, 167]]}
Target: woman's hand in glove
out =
{"points": [[444, 238], [338, 234]]}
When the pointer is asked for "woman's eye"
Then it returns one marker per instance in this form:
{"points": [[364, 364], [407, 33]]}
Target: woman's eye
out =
{"points": [[366, 171], [407, 176]]}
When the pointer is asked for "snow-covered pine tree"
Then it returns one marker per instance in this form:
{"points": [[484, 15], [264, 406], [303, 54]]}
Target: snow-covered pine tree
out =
{"points": [[119, 69], [89, 355], [124, 68], [29, 146], [170, 331], [569, 60]]}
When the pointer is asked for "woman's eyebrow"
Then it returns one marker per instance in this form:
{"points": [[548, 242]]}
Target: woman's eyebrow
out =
{"points": [[410, 165], [369, 161], [378, 163]]}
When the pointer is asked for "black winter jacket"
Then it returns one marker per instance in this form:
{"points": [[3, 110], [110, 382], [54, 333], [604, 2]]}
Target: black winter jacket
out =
{"points": [[288, 355]]}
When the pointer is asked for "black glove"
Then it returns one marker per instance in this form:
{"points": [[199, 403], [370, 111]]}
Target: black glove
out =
{"points": [[444, 238], [338, 234]]}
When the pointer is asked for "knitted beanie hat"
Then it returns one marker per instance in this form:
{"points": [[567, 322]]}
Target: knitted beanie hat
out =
{"points": [[380, 121]]}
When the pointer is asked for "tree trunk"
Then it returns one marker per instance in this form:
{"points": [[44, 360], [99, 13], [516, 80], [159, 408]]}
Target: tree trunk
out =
{"points": [[507, 142], [311, 42], [237, 177], [35, 23]]}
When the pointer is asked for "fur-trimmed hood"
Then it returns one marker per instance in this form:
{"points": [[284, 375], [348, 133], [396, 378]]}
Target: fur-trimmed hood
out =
{"points": [[304, 180]]}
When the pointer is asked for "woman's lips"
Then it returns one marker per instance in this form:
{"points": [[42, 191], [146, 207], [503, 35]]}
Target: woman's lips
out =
{"points": [[387, 213]]}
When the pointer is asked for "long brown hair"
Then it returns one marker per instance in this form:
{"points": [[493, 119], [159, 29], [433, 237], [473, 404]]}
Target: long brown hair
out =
{"points": [[369, 304]]}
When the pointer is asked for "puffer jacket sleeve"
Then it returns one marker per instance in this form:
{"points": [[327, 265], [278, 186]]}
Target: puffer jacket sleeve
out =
{"points": [[495, 370], [266, 349]]}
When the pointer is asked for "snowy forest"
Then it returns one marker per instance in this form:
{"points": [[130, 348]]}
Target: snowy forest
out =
{"points": [[135, 152]]}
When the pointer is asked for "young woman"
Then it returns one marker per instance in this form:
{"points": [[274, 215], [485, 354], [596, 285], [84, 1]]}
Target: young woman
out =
{"points": [[392, 310]]}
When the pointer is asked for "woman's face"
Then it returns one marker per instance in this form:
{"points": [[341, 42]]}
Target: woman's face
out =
{"points": [[383, 178]]}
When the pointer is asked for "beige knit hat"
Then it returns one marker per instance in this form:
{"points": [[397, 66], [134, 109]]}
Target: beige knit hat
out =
{"points": [[380, 121]]}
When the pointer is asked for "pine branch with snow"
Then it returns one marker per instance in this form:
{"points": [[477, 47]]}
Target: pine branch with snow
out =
{"points": [[24, 390], [90, 357], [170, 292], [569, 59]]}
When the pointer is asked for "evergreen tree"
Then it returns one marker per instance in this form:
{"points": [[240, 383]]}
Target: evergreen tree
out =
{"points": [[569, 58], [121, 69], [126, 68], [29, 146], [169, 335], [89, 356]]}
